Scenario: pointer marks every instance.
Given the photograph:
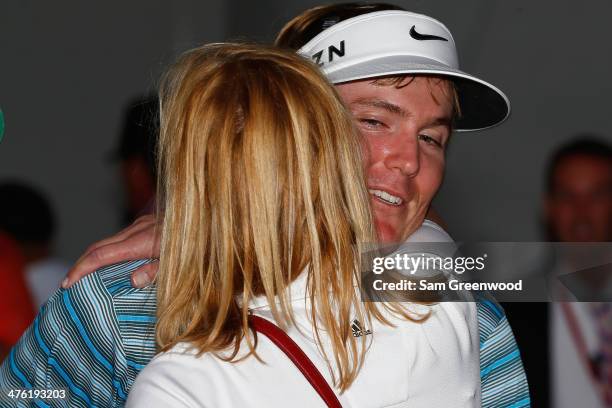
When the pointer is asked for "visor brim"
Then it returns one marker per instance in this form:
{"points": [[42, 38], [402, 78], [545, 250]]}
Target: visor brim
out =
{"points": [[482, 104]]}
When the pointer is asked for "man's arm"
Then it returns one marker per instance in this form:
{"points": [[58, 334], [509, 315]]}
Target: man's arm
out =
{"points": [[138, 241], [502, 376], [76, 344]]}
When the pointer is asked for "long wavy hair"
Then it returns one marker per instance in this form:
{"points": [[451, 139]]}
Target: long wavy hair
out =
{"points": [[261, 181]]}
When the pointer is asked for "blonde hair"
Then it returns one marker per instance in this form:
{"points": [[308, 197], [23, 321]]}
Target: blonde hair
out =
{"points": [[261, 179]]}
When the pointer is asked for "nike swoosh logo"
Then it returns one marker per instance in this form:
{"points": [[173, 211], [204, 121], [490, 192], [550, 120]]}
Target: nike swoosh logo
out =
{"points": [[423, 37]]}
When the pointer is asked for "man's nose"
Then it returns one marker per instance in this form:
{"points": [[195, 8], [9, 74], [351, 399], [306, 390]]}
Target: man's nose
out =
{"points": [[403, 154]]}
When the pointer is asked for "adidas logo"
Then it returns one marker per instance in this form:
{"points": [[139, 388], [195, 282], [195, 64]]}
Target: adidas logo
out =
{"points": [[358, 329]]}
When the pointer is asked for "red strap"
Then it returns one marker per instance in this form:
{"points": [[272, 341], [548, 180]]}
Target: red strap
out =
{"points": [[299, 358]]}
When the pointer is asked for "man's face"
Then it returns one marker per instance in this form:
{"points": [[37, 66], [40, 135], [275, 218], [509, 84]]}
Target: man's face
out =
{"points": [[579, 207], [405, 130]]}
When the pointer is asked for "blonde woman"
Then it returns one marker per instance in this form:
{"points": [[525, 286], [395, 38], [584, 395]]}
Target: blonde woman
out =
{"points": [[265, 209]]}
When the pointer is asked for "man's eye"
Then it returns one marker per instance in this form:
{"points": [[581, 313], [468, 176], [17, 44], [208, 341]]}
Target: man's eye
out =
{"points": [[430, 140], [371, 123]]}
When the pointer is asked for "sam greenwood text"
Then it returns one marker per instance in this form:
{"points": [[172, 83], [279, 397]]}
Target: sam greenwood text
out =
{"points": [[453, 284]]}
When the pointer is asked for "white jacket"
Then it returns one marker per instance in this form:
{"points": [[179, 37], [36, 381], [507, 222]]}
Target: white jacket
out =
{"points": [[430, 364]]}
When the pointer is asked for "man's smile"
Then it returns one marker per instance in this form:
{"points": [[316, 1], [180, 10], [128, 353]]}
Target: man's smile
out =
{"points": [[386, 197]]}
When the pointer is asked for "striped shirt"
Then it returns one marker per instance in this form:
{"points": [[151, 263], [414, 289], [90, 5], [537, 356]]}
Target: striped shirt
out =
{"points": [[93, 339], [502, 376]]}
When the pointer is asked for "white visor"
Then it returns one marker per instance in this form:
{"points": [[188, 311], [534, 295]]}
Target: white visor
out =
{"points": [[397, 42]]}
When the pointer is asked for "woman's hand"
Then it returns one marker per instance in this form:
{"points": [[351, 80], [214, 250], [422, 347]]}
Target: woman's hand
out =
{"points": [[138, 241]]}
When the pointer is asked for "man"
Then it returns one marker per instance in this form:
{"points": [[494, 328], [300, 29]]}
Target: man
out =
{"points": [[578, 205], [373, 56], [579, 209], [562, 340]]}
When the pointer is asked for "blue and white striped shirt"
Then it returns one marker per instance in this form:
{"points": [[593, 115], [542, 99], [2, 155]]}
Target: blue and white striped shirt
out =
{"points": [[93, 339]]}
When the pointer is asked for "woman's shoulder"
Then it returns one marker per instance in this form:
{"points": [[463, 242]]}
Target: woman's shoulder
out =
{"points": [[183, 377], [176, 378], [175, 360]]}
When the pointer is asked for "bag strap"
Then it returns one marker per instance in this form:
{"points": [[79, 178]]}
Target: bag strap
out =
{"points": [[297, 356]]}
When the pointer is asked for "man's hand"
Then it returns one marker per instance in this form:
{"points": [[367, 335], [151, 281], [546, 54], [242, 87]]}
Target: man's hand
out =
{"points": [[138, 241]]}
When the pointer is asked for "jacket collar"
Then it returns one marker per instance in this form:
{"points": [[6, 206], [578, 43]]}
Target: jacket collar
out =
{"points": [[296, 291]]}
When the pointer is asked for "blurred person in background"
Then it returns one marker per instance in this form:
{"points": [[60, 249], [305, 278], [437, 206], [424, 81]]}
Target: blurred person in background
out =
{"points": [[27, 216], [578, 208], [16, 308], [578, 203], [135, 154], [566, 346]]}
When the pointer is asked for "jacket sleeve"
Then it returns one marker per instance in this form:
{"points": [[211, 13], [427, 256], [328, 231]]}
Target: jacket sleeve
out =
{"points": [[502, 376]]}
